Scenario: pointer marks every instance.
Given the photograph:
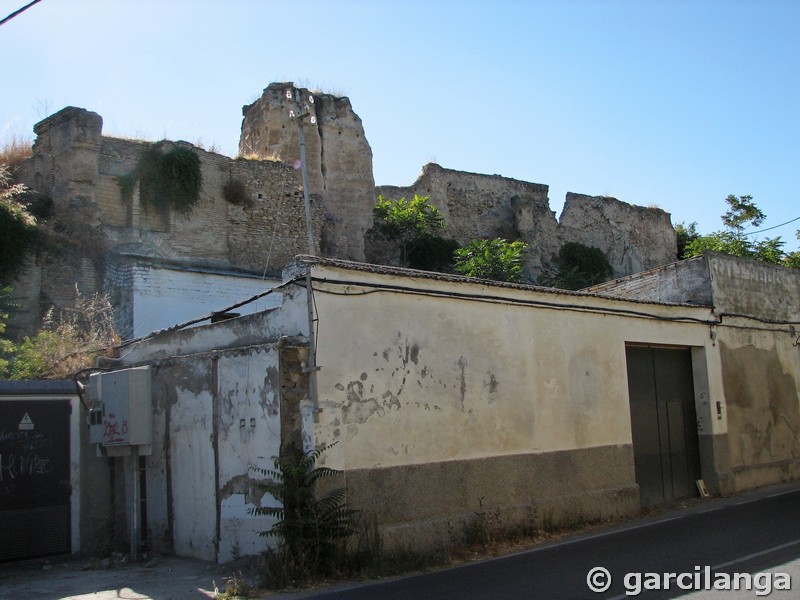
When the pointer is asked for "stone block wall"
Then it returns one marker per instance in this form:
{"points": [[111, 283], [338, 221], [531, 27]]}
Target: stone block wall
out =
{"points": [[81, 170], [634, 238], [338, 158], [487, 206], [475, 206]]}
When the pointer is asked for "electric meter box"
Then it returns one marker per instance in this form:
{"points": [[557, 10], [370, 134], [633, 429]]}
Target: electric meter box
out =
{"points": [[121, 413]]}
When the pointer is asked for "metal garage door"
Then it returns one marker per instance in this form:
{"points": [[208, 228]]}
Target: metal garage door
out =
{"points": [[34, 478], [663, 422]]}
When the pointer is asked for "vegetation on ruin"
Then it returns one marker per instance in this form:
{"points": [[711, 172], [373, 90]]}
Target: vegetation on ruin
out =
{"points": [[169, 180], [412, 223], [497, 259], [13, 152], [577, 266], [17, 225], [235, 191], [433, 253], [742, 213], [69, 340]]}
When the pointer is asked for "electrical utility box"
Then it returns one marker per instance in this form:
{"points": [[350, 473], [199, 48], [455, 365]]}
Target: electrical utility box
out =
{"points": [[121, 411]]}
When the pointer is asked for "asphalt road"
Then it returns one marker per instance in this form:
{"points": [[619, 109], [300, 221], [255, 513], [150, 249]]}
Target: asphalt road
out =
{"points": [[748, 534], [754, 532]]}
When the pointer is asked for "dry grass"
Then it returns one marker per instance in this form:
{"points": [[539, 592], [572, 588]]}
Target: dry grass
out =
{"points": [[14, 151]]}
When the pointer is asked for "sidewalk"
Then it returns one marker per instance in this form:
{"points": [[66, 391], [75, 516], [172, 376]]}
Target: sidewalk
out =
{"points": [[67, 578]]}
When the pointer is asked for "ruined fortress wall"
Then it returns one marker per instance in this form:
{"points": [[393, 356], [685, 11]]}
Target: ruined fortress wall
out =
{"points": [[479, 206], [338, 158], [81, 169], [476, 206], [634, 238]]}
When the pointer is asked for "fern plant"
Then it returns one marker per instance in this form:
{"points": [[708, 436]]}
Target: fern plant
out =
{"points": [[310, 525]]}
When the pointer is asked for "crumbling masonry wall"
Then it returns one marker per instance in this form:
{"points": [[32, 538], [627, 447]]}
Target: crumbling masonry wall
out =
{"points": [[338, 158], [84, 172], [634, 238]]}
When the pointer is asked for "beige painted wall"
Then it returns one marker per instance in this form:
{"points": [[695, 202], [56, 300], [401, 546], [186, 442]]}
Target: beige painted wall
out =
{"points": [[408, 378], [762, 380], [429, 396]]}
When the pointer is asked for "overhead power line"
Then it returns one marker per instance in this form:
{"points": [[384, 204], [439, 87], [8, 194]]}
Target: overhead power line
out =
{"points": [[773, 227], [16, 12]]}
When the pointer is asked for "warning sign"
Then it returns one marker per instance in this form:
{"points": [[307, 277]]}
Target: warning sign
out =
{"points": [[26, 424]]}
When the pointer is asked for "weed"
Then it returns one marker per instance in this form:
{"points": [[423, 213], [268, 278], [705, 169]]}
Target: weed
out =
{"points": [[236, 587], [311, 527]]}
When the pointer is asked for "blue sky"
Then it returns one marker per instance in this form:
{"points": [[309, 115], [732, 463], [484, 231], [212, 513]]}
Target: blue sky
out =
{"points": [[669, 103]]}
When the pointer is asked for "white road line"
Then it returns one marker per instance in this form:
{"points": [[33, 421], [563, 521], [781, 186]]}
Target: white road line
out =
{"points": [[755, 555], [741, 559]]}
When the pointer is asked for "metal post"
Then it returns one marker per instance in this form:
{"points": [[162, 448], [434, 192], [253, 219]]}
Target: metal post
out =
{"points": [[311, 367], [301, 114], [136, 508]]}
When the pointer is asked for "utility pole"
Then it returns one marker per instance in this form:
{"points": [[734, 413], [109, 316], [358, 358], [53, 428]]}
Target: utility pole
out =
{"points": [[301, 112]]}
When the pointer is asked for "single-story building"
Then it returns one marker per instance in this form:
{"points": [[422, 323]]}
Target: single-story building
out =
{"points": [[447, 396]]}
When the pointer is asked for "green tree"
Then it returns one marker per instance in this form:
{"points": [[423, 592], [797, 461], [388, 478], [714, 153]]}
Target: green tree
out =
{"points": [[742, 213], [17, 225], [577, 267], [685, 234], [496, 259], [792, 259], [410, 222]]}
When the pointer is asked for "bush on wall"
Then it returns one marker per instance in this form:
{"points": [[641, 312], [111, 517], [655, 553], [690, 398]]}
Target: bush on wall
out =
{"points": [[235, 192], [167, 180]]}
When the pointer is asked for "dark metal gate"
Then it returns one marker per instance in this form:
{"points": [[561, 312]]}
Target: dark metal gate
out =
{"points": [[663, 422], [34, 478]]}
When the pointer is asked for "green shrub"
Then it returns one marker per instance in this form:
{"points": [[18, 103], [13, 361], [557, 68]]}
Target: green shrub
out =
{"points": [[578, 266], [168, 180], [408, 222], [310, 526], [497, 259], [432, 253], [235, 191]]}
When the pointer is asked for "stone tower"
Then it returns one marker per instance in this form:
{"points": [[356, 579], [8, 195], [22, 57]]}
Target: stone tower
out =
{"points": [[339, 159]]}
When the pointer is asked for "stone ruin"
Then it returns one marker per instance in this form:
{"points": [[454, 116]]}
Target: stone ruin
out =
{"points": [[82, 170]]}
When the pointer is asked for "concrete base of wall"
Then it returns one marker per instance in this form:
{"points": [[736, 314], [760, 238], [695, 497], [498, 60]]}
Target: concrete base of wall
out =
{"points": [[754, 476], [715, 464], [435, 504]]}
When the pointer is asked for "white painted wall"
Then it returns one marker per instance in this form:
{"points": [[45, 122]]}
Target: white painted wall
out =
{"points": [[165, 297], [249, 436], [192, 470]]}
